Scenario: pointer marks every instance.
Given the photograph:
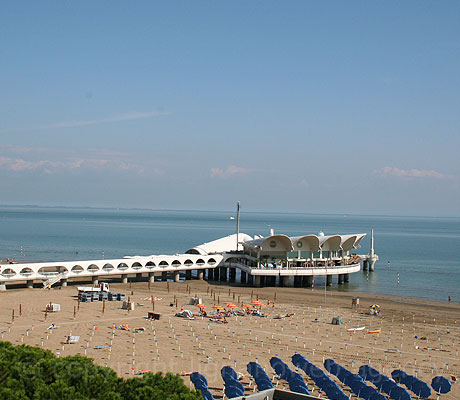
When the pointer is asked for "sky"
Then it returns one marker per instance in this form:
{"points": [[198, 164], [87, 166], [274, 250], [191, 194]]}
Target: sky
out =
{"points": [[295, 106]]}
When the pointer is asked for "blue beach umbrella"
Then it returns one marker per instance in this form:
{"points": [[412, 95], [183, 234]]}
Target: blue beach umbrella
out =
{"points": [[441, 384]]}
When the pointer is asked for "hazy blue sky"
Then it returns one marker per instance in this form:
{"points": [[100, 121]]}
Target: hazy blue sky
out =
{"points": [[334, 106]]}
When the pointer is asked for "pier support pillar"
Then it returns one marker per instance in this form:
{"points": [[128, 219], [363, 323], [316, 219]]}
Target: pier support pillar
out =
{"points": [[30, 284], [188, 274], [124, 279], [232, 274], [64, 282], [216, 273], [371, 263], [250, 279], [138, 276], [95, 280], [297, 281], [176, 276], [223, 274], [200, 274], [346, 278], [257, 281], [365, 265], [285, 281], [328, 280], [151, 277], [243, 277], [164, 276], [271, 281], [340, 279], [307, 281], [210, 274], [2, 286]]}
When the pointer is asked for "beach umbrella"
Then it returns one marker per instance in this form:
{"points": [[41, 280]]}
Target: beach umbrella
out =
{"points": [[227, 303], [246, 305], [201, 305], [255, 301], [217, 307], [233, 306], [441, 384]]}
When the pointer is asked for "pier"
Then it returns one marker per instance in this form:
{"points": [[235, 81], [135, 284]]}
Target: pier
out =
{"points": [[276, 260]]}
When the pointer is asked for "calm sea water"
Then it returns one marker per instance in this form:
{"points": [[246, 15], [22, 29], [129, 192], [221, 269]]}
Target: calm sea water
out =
{"points": [[425, 252]]}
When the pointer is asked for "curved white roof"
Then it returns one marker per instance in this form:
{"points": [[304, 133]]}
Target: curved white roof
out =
{"points": [[307, 242], [272, 243], [227, 243]]}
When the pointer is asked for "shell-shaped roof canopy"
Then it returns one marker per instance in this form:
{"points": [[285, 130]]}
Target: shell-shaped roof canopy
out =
{"points": [[306, 243]]}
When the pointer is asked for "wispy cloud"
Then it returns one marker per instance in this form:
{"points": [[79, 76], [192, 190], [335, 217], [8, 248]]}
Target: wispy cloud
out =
{"points": [[411, 173], [229, 171], [50, 161], [304, 182], [114, 118]]}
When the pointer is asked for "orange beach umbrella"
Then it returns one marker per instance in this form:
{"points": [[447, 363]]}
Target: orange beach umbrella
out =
{"points": [[201, 305]]}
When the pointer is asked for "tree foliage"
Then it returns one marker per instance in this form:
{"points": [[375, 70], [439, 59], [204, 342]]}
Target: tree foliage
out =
{"points": [[32, 373]]}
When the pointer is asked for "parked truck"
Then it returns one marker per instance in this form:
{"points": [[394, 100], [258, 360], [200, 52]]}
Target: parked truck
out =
{"points": [[102, 287]]}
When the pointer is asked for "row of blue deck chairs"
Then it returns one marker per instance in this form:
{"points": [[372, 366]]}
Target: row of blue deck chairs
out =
{"points": [[356, 382], [353, 381], [415, 385], [383, 383], [295, 380], [324, 382]]}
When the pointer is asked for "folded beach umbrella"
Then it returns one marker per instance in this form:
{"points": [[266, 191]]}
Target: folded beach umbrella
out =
{"points": [[335, 393], [385, 385], [232, 392], [399, 393], [201, 383], [196, 377], [263, 382], [228, 371], [399, 375], [328, 364], [441, 384], [299, 358], [230, 381], [377, 396], [281, 368], [207, 395]]}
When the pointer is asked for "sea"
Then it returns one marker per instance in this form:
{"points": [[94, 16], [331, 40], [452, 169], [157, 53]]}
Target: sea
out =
{"points": [[419, 256]]}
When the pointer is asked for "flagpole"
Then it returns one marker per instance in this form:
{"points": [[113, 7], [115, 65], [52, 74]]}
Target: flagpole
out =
{"points": [[237, 224]]}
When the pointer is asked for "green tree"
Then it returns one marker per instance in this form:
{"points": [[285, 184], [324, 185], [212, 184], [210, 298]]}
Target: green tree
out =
{"points": [[32, 373]]}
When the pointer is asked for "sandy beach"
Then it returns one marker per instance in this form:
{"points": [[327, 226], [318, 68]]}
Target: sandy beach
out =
{"points": [[420, 337]]}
